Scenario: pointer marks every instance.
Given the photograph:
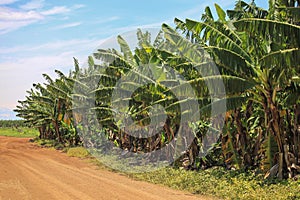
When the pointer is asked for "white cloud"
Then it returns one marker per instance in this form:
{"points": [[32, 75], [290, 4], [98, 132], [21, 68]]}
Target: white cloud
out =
{"points": [[18, 73], [105, 20], [7, 14], [56, 10], [54, 46], [70, 25], [18, 76], [13, 19], [7, 2], [7, 113], [32, 5], [156, 25], [77, 6], [8, 26], [4, 115], [61, 9]]}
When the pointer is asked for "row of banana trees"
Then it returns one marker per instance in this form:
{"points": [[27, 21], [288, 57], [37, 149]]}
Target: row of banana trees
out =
{"points": [[48, 108], [257, 53], [262, 48]]}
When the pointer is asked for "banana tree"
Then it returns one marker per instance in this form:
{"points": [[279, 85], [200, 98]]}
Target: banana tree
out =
{"points": [[254, 45], [48, 107], [151, 80], [144, 89]]}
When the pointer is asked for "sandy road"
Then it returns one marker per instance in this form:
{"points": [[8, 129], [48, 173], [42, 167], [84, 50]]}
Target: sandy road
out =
{"points": [[29, 172]]}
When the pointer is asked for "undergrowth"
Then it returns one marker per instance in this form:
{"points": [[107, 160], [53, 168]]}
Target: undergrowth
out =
{"points": [[223, 183]]}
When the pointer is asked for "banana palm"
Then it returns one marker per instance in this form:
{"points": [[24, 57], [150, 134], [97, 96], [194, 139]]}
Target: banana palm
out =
{"points": [[147, 84], [150, 92], [262, 50], [48, 107]]}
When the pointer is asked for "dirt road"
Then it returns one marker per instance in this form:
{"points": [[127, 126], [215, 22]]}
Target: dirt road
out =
{"points": [[30, 172]]}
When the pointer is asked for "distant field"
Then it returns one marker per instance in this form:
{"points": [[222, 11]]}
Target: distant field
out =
{"points": [[19, 132]]}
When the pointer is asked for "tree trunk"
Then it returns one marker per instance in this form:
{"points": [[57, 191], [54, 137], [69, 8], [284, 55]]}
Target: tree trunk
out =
{"points": [[242, 142], [296, 138], [274, 125], [280, 169], [56, 127]]}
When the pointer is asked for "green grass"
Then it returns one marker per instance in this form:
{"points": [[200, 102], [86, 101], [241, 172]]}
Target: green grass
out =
{"points": [[19, 132], [79, 152], [217, 181], [223, 184]]}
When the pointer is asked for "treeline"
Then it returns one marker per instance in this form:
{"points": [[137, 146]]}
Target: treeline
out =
{"points": [[257, 53], [12, 123]]}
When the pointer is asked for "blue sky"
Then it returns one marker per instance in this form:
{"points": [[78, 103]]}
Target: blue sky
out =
{"points": [[38, 36]]}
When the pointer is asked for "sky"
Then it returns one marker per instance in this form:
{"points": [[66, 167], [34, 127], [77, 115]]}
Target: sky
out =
{"points": [[39, 36]]}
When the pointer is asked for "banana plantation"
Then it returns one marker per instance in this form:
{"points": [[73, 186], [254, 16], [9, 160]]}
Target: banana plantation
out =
{"points": [[257, 56]]}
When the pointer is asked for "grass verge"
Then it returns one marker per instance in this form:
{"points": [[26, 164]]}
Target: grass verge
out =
{"points": [[79, 152], [224, 184], [19, 132], [217, 181]]}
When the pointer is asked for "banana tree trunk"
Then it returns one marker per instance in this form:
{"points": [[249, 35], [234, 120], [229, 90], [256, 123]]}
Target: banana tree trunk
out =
{"points": [[242, 139], [56, 128], [296, 131], [275, 126]]}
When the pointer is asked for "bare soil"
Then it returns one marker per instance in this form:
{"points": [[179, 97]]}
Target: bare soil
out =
{"points": [[31, 172]]}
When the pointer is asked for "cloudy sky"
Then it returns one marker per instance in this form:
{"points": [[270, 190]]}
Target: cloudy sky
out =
{"points": [[38, 36]]}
